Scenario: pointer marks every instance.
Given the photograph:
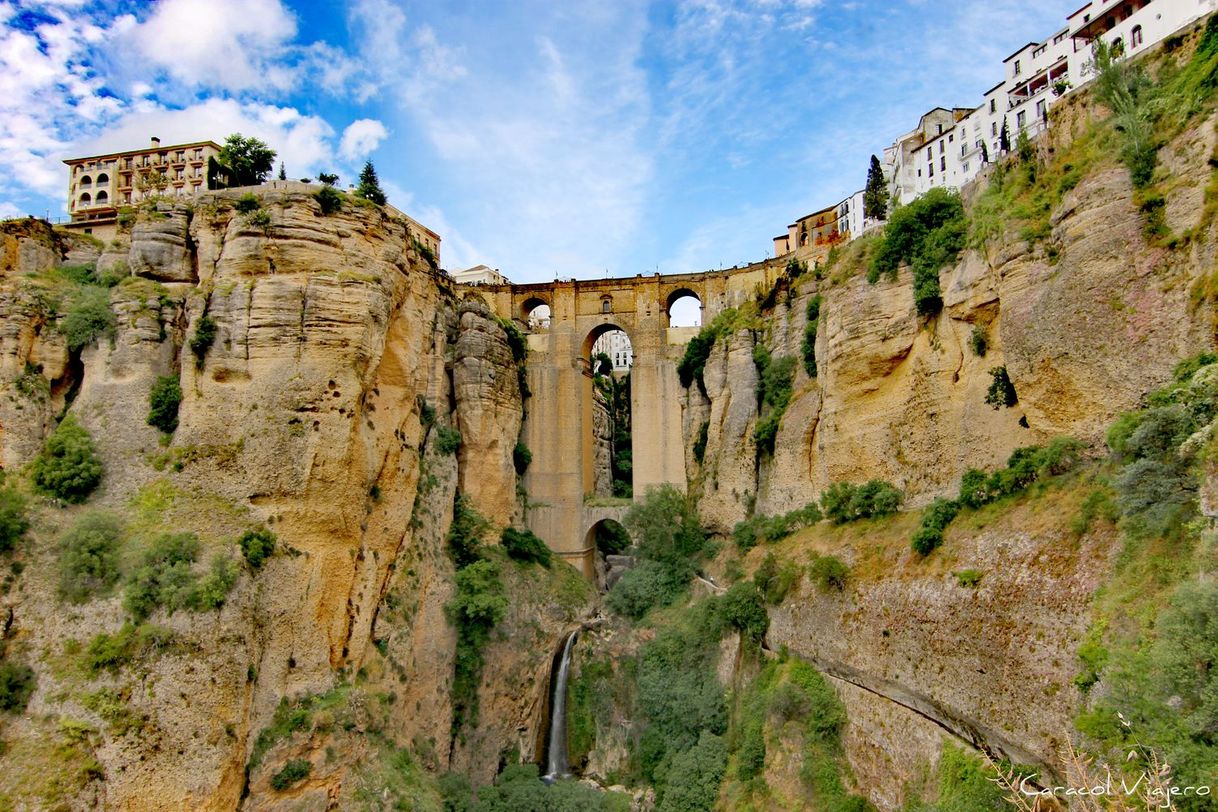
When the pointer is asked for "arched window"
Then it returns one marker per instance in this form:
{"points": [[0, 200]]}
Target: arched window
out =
{"points": [[86, 199], [1135, 36], [103, 178], [606, 304], [86, 181], [102, 197]]}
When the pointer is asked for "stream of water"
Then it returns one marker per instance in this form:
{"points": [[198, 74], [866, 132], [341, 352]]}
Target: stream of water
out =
{"points": [[556, 753]]}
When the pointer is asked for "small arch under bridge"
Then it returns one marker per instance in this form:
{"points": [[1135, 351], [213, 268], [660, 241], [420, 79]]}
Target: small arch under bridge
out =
{"points": [[558, 426]]}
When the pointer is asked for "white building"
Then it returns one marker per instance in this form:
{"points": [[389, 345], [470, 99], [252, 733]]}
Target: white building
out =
{"points": [[615, 344], [939, 152], [479, 275]]}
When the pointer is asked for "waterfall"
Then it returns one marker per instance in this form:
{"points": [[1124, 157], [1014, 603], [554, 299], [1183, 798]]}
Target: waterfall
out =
{"points": [[556, 751]]}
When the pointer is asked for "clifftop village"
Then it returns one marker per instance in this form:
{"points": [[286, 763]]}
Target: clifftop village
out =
{"points": [[947, 148]]}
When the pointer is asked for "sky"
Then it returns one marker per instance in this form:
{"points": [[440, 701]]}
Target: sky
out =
{"points": [[547, 139]]}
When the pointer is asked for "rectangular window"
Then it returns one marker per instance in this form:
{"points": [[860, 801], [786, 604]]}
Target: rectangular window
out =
{"points": [[941, 147], [1020, 118], [994, 128], [966, 166], [993, 105], [930, 170], [1017, 68], [1040, 109], [943, 164], [951, 137]]}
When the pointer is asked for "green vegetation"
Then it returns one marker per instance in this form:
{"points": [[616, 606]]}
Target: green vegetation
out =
{"points": [[257, 546], [828, 572], [248, 203], [68, 467], [466, 533], [774, 580], [89, 554], [964, 785], [875, 193], [979, 341], [524, 545], [448, 440], [743, 608], [927, 234], [692, 780], [328, 199], [700, 442], [771, 529], [810, 331], [13, 521], [17, 682], [204, 337], [88, 318], [522, 457], [1001, 392], [1126, 89], [616, 391], [519, 789], [302, 714], [698, 350], [477, 607], [1024, 467], [935, 520], [969, 578], [789, 702], [293, 773], [247, 160], [671, 542], [774, 390], [163, 402], [844, 502], [369, 187], [165, 578], [111, 652]]}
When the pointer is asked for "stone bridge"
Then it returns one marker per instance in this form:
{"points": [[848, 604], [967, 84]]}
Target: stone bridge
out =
{"points": [[558, 427]]}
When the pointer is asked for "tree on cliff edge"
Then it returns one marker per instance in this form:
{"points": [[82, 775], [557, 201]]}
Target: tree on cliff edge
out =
{"points": [[248, 161], [875, 194], [369, 185]]}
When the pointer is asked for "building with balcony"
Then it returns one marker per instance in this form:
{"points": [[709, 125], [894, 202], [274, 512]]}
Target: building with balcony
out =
{"points": [[479, 275], [101, 184]]}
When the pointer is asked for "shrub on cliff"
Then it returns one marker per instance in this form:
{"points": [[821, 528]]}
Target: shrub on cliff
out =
{"points": [[257, 546], [828, 572], [692, 782], [465, 534], [743, 609], [89, 557], [16, 684], [928, 234], [448, 440], [88, 318], [13, 521], [522, 458], [809, 343], [774, 580], [329, 199], [844, 502], [204, 337], [935, 520], [479, 603], [293, 773], [163, 402], [524, 545], [644, 587], [1001, 392], [68, 467]]}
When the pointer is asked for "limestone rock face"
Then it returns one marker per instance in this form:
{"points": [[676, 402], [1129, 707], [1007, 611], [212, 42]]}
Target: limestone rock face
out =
{"points": [[304, 415], [160, 247], [602, 444], [489, 410]]}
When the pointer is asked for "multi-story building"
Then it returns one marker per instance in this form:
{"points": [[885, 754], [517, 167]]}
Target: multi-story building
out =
{"points": [[100, 184], [615, 344], [907, 165], [479, 275], [814, 235]]}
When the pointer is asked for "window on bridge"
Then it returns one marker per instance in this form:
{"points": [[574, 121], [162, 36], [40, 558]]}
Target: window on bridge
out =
{"points": [[684, 310]]}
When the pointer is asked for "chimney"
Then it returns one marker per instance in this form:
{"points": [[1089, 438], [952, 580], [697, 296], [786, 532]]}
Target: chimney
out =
{"points": [[156, 142]]}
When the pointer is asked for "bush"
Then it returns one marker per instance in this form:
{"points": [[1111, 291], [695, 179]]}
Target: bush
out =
{"points": [[212, 590], [524, 545], [293, 772], [164, 576], [329, 199], [844, 502], [13, 521], [775, 580], [697, 352], [692, 783], [204, 337], [257, 546], [772, 529], [89, 557], [1002, 391], [979, 341], [247, 203], [642, 588], [465, 534], [17, 682], [522, 458], [88, 318], [700, 442], [516, 341], [479, 603], [743, 610], [929, 233], [68, 467], [448, 440], [666, 529], [935, 520], [969, 578], [163, 402], [828, 572], [810, 331]]}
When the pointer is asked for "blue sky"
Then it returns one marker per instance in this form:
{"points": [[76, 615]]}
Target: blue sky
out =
{"points": [[543, 138]]}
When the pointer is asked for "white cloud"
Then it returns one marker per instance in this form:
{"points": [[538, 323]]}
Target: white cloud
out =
{"points": [[9, 210], [232, 44], [361, 138]]}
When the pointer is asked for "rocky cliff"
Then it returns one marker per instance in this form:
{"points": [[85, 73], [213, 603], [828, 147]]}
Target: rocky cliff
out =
{"points": [[338, 359]]}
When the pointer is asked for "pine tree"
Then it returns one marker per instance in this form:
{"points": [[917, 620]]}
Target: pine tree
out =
{"points": [[985, 153], [875, 194], [369, 185], [283, 172], [1004, 137]]}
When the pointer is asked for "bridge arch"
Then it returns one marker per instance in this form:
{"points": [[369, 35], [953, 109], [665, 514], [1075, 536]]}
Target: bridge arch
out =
{"points": [[608, 536], [530, 304], [683, 307]]}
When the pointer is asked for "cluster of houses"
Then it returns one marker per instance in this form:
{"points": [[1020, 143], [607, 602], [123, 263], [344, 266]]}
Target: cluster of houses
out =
{"points": [[950, 146]]}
